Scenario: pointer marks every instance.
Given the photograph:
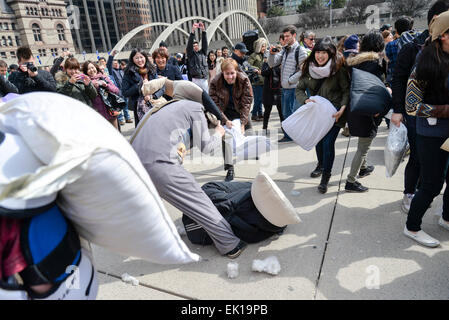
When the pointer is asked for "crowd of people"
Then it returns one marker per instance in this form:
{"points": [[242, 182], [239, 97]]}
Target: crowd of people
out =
{"points": [[242, 83]]}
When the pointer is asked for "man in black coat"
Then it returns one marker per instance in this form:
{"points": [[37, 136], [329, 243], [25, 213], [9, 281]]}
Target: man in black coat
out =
{"points": [[197, 59], [28, 78], [404, 64]]}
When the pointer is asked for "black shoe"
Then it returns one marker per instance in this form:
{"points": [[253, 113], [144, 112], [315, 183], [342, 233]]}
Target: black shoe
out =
{"points": [[254, 118], [237, 250], [230, 175], [285, 139], [355, 187], [322, 188], [366, 172], [317, 172]]}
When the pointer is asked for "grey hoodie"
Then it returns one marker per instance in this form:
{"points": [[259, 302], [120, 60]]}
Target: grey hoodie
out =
{"points": [[286, 59]]}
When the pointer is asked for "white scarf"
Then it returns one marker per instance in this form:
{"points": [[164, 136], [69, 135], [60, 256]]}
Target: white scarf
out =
{"points": [[320, 72]]}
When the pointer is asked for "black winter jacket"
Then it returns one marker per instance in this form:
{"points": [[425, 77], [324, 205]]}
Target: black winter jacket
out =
{"points": [[6, 87], [234, 202], [272, 80], [404, 65], [197, 61], [132, 84], [44, 81], [360, 125]]}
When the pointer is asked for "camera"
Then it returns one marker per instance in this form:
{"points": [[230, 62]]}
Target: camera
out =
{"points": [[30, 66], [275, 50]]}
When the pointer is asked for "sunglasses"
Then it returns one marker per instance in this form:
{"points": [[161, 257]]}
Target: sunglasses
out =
{"points": [[311, 39]]}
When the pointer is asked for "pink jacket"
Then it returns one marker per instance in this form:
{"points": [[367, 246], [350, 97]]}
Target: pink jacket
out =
{"points": [[98, 103]]}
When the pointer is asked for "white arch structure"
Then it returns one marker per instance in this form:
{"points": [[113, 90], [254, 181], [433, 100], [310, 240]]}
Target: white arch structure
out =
{"points": [[121, 44], [211, 30], [167, 32], [222, 17]]}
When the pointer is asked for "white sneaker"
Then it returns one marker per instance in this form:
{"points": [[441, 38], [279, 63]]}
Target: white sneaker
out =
{"points": [[406, 202], [422, 238], [443, 224]]}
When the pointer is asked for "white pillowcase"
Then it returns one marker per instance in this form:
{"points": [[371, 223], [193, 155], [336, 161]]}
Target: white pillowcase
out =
{"points": [[272, 203]]}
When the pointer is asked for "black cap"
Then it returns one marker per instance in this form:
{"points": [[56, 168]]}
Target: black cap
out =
{"points": [[385, 27], [241, 47]]}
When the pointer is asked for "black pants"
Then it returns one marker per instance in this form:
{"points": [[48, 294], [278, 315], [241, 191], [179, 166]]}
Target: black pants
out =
{"points": [[434, 164], [411, 174], [267, 113]]}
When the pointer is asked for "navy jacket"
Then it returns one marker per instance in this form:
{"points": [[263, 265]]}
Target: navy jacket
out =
{"points": [[116, 74], [132, 84], [171, 72]]}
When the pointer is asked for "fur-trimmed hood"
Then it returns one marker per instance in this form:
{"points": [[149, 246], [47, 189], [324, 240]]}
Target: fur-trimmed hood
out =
{"points": [[363, 57], [61, 77]]}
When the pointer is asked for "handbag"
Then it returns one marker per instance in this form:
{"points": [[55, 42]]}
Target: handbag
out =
{"points": [[114, 103]]}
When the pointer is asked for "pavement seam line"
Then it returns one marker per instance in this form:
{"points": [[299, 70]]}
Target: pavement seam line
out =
{"points": [[317, 283], [150, 287]]}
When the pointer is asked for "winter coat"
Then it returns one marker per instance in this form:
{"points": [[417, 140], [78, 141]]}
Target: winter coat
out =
{"points": [[97, 102], [290, 69], [360, 125], [404, 65], [171, 72], [256, 61], [78, 91], [116, 75], [44, 81], [197, 61], [242, 95], [132, 84], [272, 79], [334, 88], [6, 87], [234, 202]]}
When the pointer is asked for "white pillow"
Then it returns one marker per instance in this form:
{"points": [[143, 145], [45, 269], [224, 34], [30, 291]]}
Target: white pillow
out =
{"points": [[104, 189], [272, 203]]}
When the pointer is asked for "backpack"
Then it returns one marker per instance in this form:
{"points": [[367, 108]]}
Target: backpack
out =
{"points": [[296, 57]]}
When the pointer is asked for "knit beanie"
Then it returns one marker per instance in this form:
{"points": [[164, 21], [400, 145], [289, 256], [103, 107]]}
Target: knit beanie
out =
{"points": [[351, 42]]}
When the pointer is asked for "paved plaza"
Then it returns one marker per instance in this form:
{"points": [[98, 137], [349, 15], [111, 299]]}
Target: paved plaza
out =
{"points": [[348, 246]]}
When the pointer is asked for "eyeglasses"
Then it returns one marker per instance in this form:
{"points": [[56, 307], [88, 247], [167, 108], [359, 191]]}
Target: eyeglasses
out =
{"points": [[311, 39]]}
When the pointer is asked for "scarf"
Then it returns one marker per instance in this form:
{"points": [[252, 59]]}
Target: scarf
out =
{"points": [[320, 72], [142, 71]]}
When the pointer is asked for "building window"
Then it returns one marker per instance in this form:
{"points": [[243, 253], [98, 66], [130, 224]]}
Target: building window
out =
{"points": [[4, 41], [13, 54], [13, 26], [18, 41], [5, 26], [10, 42], [3, 55], [27, 10], [35, 12], [61, 33], [36, 32]]}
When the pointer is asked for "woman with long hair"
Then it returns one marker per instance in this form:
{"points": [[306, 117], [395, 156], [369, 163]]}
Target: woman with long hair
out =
{"points": [[428, 99], [138, 70], [324, 74], [212, 64], [101, 81]]}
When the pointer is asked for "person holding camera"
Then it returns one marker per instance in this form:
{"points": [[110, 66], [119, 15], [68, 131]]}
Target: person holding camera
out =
{"points": [[28, 78], [197, 59], [75, 84], [101, 81], [256, 61]]}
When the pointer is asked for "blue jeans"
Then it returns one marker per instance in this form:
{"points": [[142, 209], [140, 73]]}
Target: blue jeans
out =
{"points": [[125, 111], [288, 103], [258, 93], [325, 150]]}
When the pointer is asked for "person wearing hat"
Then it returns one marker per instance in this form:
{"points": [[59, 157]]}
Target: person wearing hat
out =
{"points": [[197, 59], [428, 99], [405, 62], [386, 27], [352, 46]]}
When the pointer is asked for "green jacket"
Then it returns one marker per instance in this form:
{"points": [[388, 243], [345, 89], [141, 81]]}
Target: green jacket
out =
{"points": [[256, 61], [76, 91], [336, 89]]}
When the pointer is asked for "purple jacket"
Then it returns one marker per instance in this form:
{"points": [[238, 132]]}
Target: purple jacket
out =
{"points": [[98, 103]]}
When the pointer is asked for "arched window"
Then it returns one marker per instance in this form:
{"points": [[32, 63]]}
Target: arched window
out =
{"points": [[35, 12], [4, 41], [36, 32], [28, 10], [10, 41], [61, 32]]}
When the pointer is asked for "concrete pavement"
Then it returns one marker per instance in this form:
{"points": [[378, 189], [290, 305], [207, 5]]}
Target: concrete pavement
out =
{"points": [[348, 246]]}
